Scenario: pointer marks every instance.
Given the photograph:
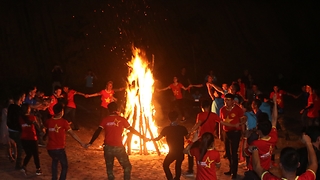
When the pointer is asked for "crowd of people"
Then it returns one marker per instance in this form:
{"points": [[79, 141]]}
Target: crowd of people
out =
{"points": [[243, 117]]}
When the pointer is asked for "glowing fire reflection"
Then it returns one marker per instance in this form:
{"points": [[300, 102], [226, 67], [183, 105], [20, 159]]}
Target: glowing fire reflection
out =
{"points": [[139, 107]]}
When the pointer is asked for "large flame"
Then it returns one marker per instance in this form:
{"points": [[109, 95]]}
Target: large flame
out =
{"points": [[139, 108]]}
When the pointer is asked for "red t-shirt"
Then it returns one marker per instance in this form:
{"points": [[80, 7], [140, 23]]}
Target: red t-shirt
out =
{"points": [[106, 97], [314, 111], [206, 168], [232, 117], [54, 101], [265, 148], [176, 89], [210, 124], [57, 133], [242, 89], [113, 126], [279, 95], [308, 175], [70, 95], [28, 131]]}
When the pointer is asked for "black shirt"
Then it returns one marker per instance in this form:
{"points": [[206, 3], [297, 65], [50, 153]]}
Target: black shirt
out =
{"points": [[175, 137], [14, 112]]}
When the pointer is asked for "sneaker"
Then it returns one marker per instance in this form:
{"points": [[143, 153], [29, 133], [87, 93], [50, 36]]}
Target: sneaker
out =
{"points": [[42, 145], [38, 172], [24, 171]]}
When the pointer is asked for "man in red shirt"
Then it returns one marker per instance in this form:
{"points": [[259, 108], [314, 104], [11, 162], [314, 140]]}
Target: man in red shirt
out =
{"points": [[113, 147], [289, 162], [231, 114], [56, 131], [70, 109], [268, 134], [279, 99], [312, 108], [54, 99], [176, 90]]}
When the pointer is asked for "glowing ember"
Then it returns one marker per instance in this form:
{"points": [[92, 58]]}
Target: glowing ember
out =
{"points": [[139, 108]]}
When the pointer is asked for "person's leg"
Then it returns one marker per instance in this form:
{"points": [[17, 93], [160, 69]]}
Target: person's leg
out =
{"points": [[190, 164], [64, 164], [166, 163], [16, 137], [73, 119], [121, 155], [54, 165], [35, 153], [28, 150], [180, 106], [228, 152], [109, 159], [179, 160], [235, 139]]}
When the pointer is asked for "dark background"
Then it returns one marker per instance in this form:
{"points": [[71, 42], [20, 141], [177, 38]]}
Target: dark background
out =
{"points": [[267, 38]]}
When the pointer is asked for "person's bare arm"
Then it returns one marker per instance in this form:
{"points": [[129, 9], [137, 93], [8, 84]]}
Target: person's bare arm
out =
{"points": [[163, 89], [76, 138], [312, 158], [217, 88], [256, 161], [93, 95], [119, 89]]}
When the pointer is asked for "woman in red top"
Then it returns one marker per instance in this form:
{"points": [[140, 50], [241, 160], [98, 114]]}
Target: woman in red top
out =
{"points": [[29, 138], [207, 157]]}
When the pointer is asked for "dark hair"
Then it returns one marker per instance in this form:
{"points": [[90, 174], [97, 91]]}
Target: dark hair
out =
{"points": [[257, 102], [205, 104], [289, 158], [18, 95], [24, 111], [57, 108], [112, 107], [261, 97], [206, 141], [173, 115], [247, 105], [262, 116], [229, 96], [56, 88], [264, 126], [313, 132]]}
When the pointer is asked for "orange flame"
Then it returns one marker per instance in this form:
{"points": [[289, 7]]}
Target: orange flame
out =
{"points": [[139, 108]]}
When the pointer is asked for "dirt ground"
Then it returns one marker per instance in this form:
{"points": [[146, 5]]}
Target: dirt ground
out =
{"points": [[89, 163]]}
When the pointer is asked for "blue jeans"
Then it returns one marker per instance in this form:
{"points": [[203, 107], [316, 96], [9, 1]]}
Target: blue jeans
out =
{"points": [[58, 155]]}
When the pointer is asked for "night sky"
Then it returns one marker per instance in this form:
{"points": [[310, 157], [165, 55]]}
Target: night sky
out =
{"points": [[267, 38]]}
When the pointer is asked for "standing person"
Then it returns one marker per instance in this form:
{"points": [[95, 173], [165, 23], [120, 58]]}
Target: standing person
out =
{"points": [[184, 80], [54, 99], [56, 131], [106, 97], [279, 93], [206, 122], [90, 78], [113, 126], [289, 162], [70, 109], [179, 101], [253, 92], [14, 112], [29, 139], [56, 73], [232, 113], [175, 136], [266, 142], [4, 133], [265, 105], [242, 87], [206, 156], [312, 108]]}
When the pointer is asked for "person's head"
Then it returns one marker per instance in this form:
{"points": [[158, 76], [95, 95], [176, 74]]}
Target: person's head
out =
{"points": [[229, 100], [19, 98], [262, 97], [246, 106], [175, 79], [217, 94], [58, 109], [109, 85], [183, 71], [289, 159], [239, 80], [254, 88], [256, 103], [233, 89], [225, 86], [264, 126], [210, 78], [173, 116], [25, 108], [276, 88], [66, 88], [207, 141], [205, 105], [57, 90], [308, 89], [113, 107]]}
